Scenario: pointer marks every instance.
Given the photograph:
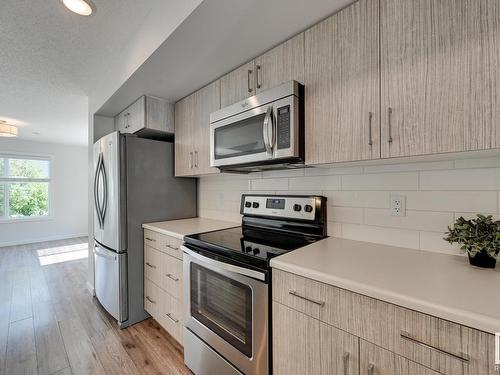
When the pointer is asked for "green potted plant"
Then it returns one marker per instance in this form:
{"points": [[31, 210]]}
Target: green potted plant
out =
{"points": [[479, 237]]}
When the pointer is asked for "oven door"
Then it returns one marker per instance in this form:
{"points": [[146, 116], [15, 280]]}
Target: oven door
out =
{"points": [[226, 306]]}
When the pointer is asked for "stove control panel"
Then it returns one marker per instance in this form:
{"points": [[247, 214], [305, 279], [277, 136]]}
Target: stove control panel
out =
{"points": [[286, 207]]}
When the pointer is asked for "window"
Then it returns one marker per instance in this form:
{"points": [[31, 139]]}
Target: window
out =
{"points": [[24, 187]]}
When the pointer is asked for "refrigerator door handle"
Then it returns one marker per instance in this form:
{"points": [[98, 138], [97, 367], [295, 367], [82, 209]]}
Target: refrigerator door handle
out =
{"points": [[96, 191], [105, 180]]}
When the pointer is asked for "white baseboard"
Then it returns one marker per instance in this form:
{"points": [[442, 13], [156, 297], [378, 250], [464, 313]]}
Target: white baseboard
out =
{"points": [[44, 239], [90, 288]]}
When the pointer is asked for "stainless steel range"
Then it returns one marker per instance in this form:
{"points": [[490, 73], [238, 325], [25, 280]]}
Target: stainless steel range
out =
{"points": [[227, 282]]}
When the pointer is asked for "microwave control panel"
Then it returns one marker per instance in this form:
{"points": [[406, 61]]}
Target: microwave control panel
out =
{"points": [[283, 125]]}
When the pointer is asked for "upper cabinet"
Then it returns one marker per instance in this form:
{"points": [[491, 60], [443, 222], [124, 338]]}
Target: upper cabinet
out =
{"points": [[146, 113], [192, 131], [342, 118], [280, 64], [440, 76]]}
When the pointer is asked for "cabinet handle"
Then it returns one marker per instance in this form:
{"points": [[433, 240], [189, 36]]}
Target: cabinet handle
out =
{"points": [[172, 318], [346, 363], [150, 265], [196, 159], [249, 72], [259, 85], [150, 300], [169, 275], [370, 138], [173, 248], [460, 356], [295, 294], [389, 122], [371, 369], [191, 160], [150, 239]]}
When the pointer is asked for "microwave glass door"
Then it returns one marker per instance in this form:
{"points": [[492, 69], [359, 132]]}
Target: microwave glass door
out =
{"points": [[241, 138], [223, 305]]}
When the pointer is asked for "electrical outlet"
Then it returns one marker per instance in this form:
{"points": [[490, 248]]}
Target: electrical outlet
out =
{"points": [[398, 205]]}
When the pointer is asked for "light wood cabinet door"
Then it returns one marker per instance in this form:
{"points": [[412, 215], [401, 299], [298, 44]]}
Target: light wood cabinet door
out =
{"points": [[439, 76], [159, 114], [339, 351], [342, 83], [296, 342], [136, 116], [184, 136], [238, 84], [206, 101], [376, 361], [281, 64]]}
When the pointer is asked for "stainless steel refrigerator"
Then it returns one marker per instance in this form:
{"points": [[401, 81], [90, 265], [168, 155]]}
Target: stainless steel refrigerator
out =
{"points": [[133, 183]]}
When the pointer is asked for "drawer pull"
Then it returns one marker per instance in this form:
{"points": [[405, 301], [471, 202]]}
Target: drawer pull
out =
{"points": [[172, 247], [172, 318], [295, 294], [150, 300], [370, 137], [460, 356], [150, 239], [371, 369], [150, 265], [346, 363], [169, 275]]}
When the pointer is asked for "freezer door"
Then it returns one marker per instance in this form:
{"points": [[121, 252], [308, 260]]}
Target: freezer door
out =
{"points": [[111, 281], [107, 209]]}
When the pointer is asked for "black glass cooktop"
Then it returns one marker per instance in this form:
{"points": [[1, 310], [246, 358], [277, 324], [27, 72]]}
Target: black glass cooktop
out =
{"points": [[249, 245]]}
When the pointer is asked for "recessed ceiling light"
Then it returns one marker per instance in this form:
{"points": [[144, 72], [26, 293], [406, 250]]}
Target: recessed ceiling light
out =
{"points": [[81, 7], [7, 130]]}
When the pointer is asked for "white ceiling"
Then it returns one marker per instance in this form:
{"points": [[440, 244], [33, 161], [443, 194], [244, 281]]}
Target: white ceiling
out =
{"points": [[52, 59], [218, 36]]}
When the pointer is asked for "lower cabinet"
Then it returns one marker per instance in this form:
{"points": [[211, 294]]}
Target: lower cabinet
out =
{"points": [[163, 297], [339, 351]]}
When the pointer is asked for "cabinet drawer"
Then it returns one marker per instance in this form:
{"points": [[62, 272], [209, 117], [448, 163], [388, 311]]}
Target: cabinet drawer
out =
{"points": [[153, 264], [172, 276], [297, 292], [152, 239], [171, 316], [152, 298], [172, 246]]}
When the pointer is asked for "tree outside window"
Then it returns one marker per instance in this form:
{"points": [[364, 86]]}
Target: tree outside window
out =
{"points": [[24, 187]]}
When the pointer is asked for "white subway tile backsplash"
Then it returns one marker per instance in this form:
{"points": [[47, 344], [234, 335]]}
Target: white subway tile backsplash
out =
{"points": [[407, 167], [382, 181], [461, 179], [437, 192], [315, 182], [351, 215], [417, 220], [269, 184], [382, 235], [451, 201]]}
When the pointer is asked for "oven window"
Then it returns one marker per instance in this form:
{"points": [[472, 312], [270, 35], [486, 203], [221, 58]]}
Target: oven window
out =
{"points": [[223, 305], [241, 138]]}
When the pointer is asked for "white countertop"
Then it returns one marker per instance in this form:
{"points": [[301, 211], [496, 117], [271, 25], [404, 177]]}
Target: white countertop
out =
{"points": [[183, 227], [441, 285]]}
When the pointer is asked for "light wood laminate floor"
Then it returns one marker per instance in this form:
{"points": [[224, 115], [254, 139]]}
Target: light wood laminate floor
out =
{"points": [[50, 324]]}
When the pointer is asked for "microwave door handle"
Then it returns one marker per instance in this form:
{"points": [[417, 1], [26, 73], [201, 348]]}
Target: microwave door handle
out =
{"points": [[268, 124]]}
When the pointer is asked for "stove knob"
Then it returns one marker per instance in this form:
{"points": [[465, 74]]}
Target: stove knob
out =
{"points": [[256, 251], [308, 208], [297, 207], [255, 205], [248, 249], [248, 204]]}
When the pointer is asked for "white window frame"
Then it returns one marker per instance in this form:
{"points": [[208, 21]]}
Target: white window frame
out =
{"points": [[6, 180]]}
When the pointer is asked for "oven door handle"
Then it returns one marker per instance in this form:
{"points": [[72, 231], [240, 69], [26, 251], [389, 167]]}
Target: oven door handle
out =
{"points": [[225, 266]]}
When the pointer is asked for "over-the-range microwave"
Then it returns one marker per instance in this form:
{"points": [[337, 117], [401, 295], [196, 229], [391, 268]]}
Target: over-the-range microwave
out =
{"points": [[265, 131]]}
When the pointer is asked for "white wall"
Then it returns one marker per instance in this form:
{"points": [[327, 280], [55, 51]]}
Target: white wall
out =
{"points": [[437, 192], [69, 184]]}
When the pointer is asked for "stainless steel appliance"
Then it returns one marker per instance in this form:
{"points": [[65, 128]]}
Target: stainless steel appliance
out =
{"points": [[227, 282], [133, 183], [262, 132]]}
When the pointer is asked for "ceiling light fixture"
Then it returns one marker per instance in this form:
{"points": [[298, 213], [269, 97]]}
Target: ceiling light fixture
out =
{"points": [[81, 7], [7, 130]]}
